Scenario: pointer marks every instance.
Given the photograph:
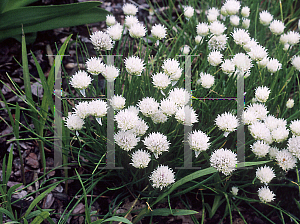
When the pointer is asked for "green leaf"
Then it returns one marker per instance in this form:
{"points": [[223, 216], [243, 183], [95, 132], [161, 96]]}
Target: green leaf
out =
{"points": [[14, 4], [11, 190], [38, 199], [6, 212], [166, 212], [9, 164], [3, 4], [40, 218], [37, 212], [118, 219]]}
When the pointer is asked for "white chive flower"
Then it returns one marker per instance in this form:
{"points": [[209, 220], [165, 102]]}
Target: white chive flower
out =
{"points": [[262, 93], [295, 127], [223, 11], [240, 36], [212, 16], [117, 102], [217, 42], [198, 39], [245, 12], [168, 107], [226, 122], [249, 117], [101, 41], [265, 194], [265, 18], [273, 152], [133, 109], [265, 174], [137, 30], [263, 63], [159, 117], [130, 20], [140, 159], [259, 109], [202, 29], [296, 62], [80, 80], [134, 65], [272, 122], [232, 7], [234, 191], [171, 67], [156, 143], [110, 20], [285, 160], [110, 73], [294, 146], [159, 31], [74, 122], [260, 131], [140, 128], [290, 103], [180, 96], [186, 115], [293, 37], [216, 28], [276, 27], [234, 20], [82, 109], [115, 31], [242, 62], [224, 161], [260, 148], [126, 120], [126, 140], [129, 9], [162, 177], [246, 23], [95, 66], [284, 39], [97, 108], [185, 49], [214, 58], [206, 80], [148, 106], [188, 11], [280, 134], [251, 43], [161, 80], [198, 141], [227, 66], [273, 65], [257, 53]]}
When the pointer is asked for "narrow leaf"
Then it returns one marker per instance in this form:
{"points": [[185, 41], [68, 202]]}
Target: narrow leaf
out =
{"points": [[118, 219], [40, 218], [6, 212], [175, 212]]}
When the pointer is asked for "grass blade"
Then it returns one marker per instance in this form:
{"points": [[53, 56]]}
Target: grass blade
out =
{"points": [[40, 218]]}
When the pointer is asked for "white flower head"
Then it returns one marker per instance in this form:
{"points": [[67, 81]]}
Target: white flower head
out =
{"points": [[265, 194], [74, 122], [249, 117], [140, 128], [168, 107], [137, 30], [156, 143], [245, 23], [273, 152], [296, 62], [286, 160], [101, 41], [251, 43], [245, 12], [140, 159], [295, 127], [202, 29], [214, 58], [272, 122], [185, 49], [217, 42], [234, 190], [263, 63], [161, 80], [148, 106], [110, 20], [294, 146], [198, 39], [95, 66], [216, 28], [259, 109], [260, 131], [80, 80], [206, 80], [126, 140], [159, 117], [171, 67], [180, 96], [126, 119], [280, 134], [232, 7], [258, 52], [110, 73], [162, 177], [130, 20], [227, 66], [115, 31], [212, 14], [186, 115], [224, 161], [134, 65], [265, 174], [159, 31], [260, 148], [241, 36], [234, 20], [129, 9], [198, 141], [276, 27], [188, 11], [293, 37], [117, 102], [273, 65], [242, 62], [82, 109], [265, 18], [97, 108], [226, 122], [262, 93]]}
